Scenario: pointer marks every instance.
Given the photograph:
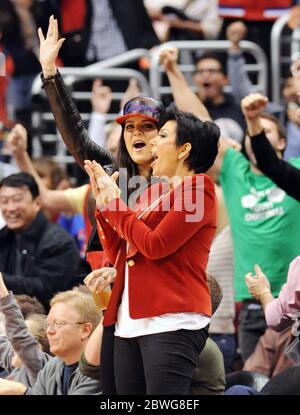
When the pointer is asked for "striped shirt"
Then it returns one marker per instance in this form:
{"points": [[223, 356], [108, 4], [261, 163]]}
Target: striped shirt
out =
{"points": [[220, 266], [106, 39]]}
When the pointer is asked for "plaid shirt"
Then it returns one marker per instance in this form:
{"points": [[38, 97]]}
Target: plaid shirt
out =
{"points": [[106, 39]]}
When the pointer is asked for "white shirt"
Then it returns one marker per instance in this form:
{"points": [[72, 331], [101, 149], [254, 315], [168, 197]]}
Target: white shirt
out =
{"points": [[128, 327]]}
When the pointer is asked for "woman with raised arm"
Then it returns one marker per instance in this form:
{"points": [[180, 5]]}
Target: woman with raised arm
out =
{"points": [[160, 300], [133, 154], [24, 348]]}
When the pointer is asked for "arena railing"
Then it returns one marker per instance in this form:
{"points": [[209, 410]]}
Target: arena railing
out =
{"points": [[278, 59], [156, 70]]}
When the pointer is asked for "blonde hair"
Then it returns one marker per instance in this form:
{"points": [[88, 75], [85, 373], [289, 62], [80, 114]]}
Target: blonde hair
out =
{"points": [[82, 289], [38, 329], [83, 303]]}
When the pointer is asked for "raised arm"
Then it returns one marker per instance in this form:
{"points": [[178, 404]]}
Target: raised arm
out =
{"points": [[89, 363], [6, 350], [239, 80], [22, 342], [184, 97], [280, 172], [186, 100], [101, 102], [52, 200], [93, 347], [67, 117]]}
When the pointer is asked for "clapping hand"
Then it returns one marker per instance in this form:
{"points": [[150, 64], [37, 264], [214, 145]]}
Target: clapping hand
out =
{"points": [[104, 187]]}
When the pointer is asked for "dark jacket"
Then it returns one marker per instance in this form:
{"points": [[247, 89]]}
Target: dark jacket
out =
{"points": [[76, 138], [71, 125], [131, 18], [134, 23], [47, 261], [25, 61]]}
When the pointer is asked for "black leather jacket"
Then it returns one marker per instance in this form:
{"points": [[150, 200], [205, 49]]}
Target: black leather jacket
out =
{"points": [[77, 140], [71, 125], [47, 260]]}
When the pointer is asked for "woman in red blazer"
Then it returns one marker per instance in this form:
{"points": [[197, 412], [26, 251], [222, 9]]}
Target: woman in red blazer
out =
{"points": [[160, 301]]}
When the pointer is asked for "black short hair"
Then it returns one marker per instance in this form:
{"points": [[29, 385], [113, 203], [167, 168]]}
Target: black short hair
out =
{"points": [[214, 56], [20, 180], [203, 136]]}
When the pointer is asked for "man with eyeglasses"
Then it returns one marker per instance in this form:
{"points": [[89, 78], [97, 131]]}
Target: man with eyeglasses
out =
{"points": [[210, 79], [71, 320]]}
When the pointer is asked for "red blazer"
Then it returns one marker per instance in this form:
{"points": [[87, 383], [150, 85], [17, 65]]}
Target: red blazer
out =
{"points": [[167, 254]]}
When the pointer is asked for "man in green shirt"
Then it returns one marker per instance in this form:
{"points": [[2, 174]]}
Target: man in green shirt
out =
{"points": [[264, 221]]}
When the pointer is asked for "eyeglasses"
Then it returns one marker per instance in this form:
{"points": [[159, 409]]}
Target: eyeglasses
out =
{"points": [[57, 325], [211, 71]]}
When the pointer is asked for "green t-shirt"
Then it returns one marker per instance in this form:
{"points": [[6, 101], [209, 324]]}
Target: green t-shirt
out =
{"points": [[265, 223]]}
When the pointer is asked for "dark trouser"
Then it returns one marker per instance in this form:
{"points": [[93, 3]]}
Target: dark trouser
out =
{"points": [[158, 364], [252, 327], [227, 345], [107, 361]]}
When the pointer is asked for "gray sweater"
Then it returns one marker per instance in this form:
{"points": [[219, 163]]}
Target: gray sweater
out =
{"points": [[49, 381], [18, 339]]}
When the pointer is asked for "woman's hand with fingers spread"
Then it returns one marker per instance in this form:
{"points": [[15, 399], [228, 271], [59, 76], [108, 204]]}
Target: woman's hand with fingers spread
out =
{"points": [[17, 141], [99, 279], [49, 47], [104, 187]]}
